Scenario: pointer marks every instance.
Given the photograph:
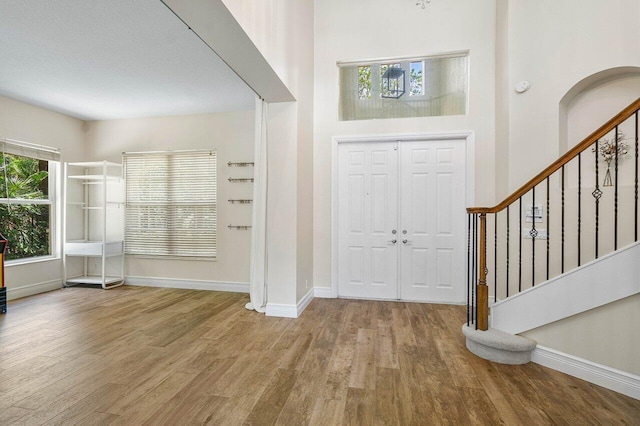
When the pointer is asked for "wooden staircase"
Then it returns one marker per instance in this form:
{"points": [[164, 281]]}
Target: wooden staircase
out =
{"points": [[581, 208]]}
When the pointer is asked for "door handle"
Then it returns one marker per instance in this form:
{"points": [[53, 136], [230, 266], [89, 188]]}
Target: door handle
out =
{"points": [[392, 241], [405, 241]]}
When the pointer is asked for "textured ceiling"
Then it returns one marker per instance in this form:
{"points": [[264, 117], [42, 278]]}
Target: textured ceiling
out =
{"points": [[107, 59]]}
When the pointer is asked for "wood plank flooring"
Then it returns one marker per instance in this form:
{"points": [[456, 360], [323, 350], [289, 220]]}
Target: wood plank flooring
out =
{"points": [[145, 356]]}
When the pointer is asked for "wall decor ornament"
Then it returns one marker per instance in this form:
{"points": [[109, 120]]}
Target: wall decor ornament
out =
{"points": [[608, 150]]}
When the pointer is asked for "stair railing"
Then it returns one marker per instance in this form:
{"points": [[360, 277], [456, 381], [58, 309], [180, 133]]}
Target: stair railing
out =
{"points": [[573, 212]]}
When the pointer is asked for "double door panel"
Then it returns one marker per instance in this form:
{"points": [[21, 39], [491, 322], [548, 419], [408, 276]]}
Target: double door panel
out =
{"points": [[368, 213], [401, 220]]}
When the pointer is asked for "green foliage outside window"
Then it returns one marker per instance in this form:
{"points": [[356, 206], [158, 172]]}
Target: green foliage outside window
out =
{"points": [[26, 226], [415, 79], [364, 82]]}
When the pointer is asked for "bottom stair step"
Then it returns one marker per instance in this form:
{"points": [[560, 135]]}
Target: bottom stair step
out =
{"points": [[498, 346]]}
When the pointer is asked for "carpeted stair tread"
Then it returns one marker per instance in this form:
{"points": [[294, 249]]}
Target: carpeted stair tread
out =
{"points": [[499, 339], [498, 346]]}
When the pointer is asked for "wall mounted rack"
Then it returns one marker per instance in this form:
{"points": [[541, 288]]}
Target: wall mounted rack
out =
{"points": [[240, 164], [239, 180]]}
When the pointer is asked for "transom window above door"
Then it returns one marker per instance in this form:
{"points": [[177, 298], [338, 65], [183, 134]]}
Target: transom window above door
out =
{"points": [[427, 86]]}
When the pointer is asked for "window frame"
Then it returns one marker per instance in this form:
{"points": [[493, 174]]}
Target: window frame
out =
{"points": [[52, 200]]}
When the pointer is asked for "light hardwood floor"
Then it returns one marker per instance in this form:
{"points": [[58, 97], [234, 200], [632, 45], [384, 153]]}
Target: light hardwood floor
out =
{"points": [[132, 356]]}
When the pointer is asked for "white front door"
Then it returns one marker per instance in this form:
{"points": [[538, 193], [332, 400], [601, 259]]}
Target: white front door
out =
{"points": [[432, 234], [368, 215], [401, 220]]}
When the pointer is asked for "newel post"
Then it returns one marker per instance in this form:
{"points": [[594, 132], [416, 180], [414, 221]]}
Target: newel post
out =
{"points": [[482, 290]]}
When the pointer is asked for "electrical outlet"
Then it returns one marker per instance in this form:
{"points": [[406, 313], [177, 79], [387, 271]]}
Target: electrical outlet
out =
{"points": [[533, 213]]}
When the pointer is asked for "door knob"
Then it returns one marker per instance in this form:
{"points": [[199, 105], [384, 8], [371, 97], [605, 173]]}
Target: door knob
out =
{"points": [[393, 241]]}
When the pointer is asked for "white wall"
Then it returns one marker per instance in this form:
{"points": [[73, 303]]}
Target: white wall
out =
{"points": [[281, 204], [502, 98], [369, 30], [303, 75], [231, 135], [29, 123], [555, 45], [606, 335], [595, 105], [282, 30], [277, 28]]}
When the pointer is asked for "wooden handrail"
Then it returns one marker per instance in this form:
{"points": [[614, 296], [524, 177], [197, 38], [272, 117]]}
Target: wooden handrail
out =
{"points": [[556, 165]]}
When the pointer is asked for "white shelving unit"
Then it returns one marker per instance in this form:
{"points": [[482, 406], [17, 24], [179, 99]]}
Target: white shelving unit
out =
{"points": [[93, 224]]}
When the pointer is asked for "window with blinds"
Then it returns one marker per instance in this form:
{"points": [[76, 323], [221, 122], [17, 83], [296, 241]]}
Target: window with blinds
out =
{"points": [[171, 203]]}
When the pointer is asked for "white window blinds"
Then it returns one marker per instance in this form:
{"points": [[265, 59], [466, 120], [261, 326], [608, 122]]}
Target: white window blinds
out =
{"points": [[171, 203]]}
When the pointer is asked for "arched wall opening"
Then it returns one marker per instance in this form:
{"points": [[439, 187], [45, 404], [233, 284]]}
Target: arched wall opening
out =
{"points": [[594, 100]]}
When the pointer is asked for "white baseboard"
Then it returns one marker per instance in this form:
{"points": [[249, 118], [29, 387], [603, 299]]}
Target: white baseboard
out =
{"points": [[281, 310], [290, 311], [304, 302], [32, 289], [324, 293], [188, 284], [601, 375]]}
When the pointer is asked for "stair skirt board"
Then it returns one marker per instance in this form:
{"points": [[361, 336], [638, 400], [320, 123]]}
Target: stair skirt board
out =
{"points": [[497, 346], [575, 291]]}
